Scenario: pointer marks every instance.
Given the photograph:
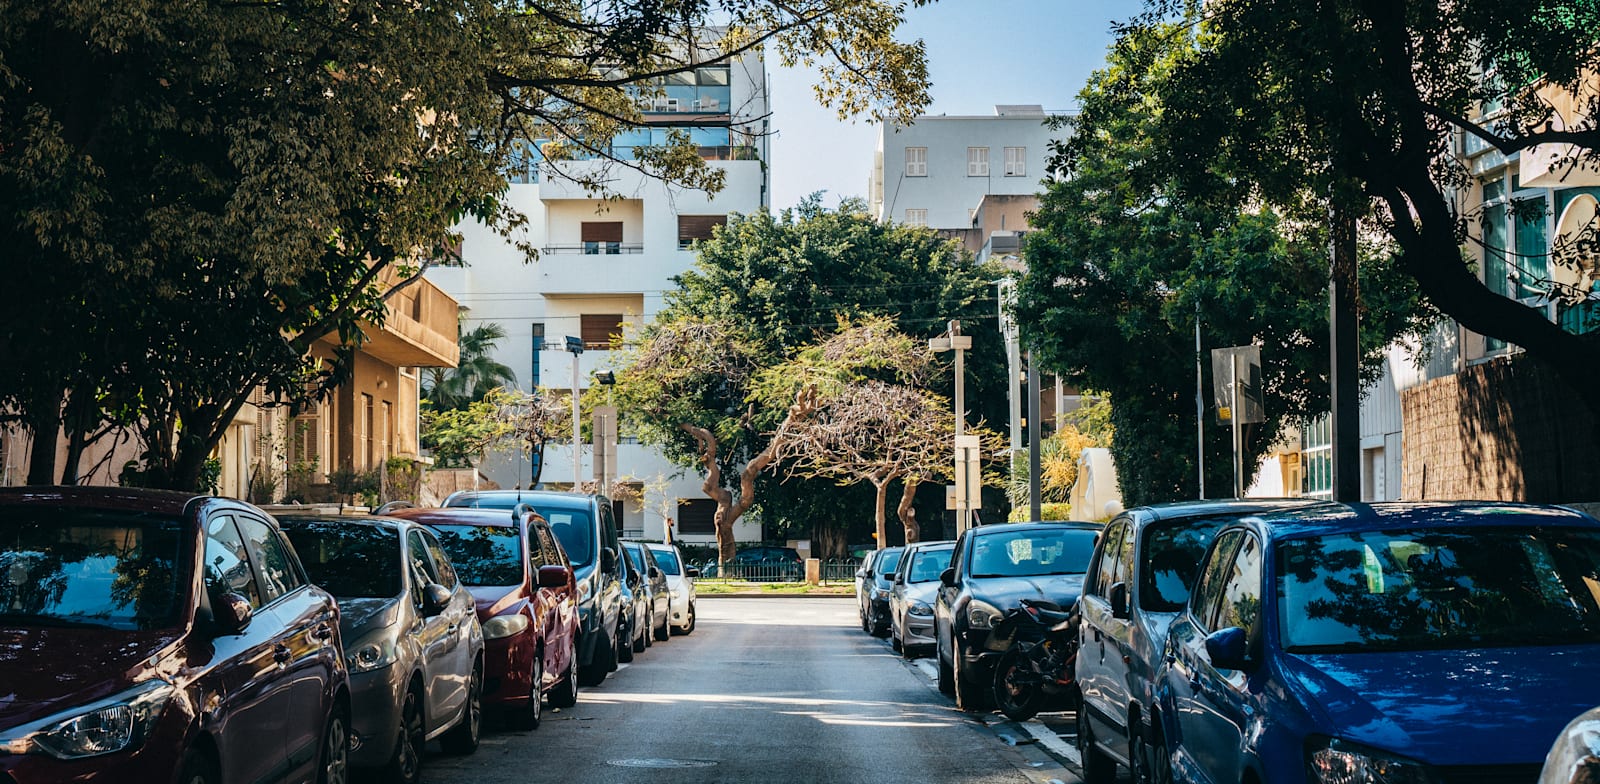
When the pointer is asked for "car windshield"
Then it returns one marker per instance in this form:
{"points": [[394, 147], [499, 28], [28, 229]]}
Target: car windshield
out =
{"points": [[575, 529], [1432, 588], [1032, 552], [927, 565], [349, 560], [1172, 553], [61, 567], [483, 554], [667, 560]]}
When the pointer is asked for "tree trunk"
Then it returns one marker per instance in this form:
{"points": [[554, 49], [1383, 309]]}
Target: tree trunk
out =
{"points": [[879, 509], [908, 511], [45, 425]]}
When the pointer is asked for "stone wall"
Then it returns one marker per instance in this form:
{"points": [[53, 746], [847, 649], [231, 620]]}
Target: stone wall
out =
{"points": [[1505, 430]]}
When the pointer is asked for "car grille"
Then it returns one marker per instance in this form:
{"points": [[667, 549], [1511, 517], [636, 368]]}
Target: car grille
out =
{"points": [[1490, 774]]}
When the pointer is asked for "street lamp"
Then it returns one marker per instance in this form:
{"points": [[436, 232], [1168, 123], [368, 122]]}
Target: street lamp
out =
{"points": [[959, 343], [575, 347]]}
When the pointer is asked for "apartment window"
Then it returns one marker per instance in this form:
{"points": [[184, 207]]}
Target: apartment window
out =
{"points": [[977, 161], [1516, 243], [1016, 161], [697, 227], [305, 440], [697, 516], [387, 446], [916, 161], [1317, 458], [601, 238], [916, 217], [368, 413], [598, 328], [538, 346]]}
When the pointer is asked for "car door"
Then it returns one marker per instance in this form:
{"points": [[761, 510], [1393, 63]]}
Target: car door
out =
{"points": [[435, 638], [461, 616], [559, 607], [945, 600], [611, 583], [1103, 674], [660, 595], [252, 711], [1189, 663], [1222, 696]]}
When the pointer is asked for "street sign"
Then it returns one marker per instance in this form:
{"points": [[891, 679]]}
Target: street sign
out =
{"points": [[605, 446], [969, 477], [1239, 365]]}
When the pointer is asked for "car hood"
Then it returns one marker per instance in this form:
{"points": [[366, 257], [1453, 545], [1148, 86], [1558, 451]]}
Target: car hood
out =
{"points": [[358, 617], [46, 670], [921, 592], [1007, 592], [1483, 706], [494, 599]]}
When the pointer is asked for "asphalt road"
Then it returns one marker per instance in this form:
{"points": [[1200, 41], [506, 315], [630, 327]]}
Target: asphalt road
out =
{"points": [[765, 690]]}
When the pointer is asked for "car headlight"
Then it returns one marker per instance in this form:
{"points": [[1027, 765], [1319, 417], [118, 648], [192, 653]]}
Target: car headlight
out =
{"points": [[110, 725], [879, 594], [919, 608], [505, 626], [1342, 762], [981, 615], [374, 652]]}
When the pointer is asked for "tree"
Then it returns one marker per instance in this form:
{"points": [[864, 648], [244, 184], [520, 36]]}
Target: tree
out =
{"points": [[1364, 100], [532, 420], [475, 375], [1123, 261], [257, 176]]}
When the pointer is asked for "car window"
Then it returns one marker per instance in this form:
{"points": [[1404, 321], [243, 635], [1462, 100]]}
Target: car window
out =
{"points": [[1209, 590], [67, 567], [349, 561], [1105, 563], [228, 563], [635, 555], [421, 565], [440, 562], [927, 565], [891, 562], [1171, 560], [553, 556], [484, 554], [1125, 556], [537, 556], [275, 570], [1240, 603], [667, 559], [958, 562], [575, 529]]}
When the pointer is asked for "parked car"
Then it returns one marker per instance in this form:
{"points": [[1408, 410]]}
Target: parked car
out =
{"points": [[873, 581], [680, 583], [588, 533], [526, 601], [1143, 568], [633, 630], [993, 568], [155, 636], [1384, 642], [912, 595], [762, 563], [1575, 756], [658, 622], [413, 644]]}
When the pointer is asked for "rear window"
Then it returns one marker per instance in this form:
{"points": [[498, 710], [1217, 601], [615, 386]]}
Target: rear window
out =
{"points": [[64, 567], [350, 561], [1032, 552], [484, 555]]}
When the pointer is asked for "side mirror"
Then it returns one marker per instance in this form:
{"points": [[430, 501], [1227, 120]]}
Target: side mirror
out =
{"points": [[691, 572], [890, 577], [1118, 597], [608, 560], [655, 572], [230, 613], [554, 576], [948, 577], [435, 598], [1229, 649]]}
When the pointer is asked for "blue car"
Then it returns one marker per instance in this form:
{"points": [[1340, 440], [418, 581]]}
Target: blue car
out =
{"points": [[1383, 643]]}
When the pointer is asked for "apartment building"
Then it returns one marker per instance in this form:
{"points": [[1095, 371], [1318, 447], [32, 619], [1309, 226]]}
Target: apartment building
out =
{"points": [[605, 264]]}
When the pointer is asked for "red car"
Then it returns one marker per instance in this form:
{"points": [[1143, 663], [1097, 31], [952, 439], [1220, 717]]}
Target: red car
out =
{"points": [[527, 603], [157, 637]]}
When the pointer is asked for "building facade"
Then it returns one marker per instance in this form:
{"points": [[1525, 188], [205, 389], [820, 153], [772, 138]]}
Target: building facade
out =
{"points": [[605, 264]]}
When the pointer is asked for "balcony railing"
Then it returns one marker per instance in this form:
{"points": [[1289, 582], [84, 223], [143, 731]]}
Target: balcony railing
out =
{"points": [[595, 249]]}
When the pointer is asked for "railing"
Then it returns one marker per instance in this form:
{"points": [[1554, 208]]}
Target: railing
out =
{"points": [[838, 570], [595, 248]]}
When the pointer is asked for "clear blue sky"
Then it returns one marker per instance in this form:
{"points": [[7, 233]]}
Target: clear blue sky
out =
{"points": [[980, 53]]}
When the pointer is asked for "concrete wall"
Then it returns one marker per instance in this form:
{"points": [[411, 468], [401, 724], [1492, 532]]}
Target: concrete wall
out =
{"points": [[947, 193]]}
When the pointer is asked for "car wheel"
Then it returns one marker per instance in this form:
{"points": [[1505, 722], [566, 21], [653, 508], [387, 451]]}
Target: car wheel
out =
{"points": [[600, 664], [528, 715], [665, 631], [198, 768], [866, 627], [405, 765], [641, 640], [625, 642], [688, 626], [565, 693], [947, 676], [334, 760], [894, 642], [971, 696], [463, 738], [1151, 763], [1097, 767]]}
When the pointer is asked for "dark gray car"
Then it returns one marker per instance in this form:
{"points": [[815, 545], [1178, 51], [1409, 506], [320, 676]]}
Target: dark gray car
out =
{"points": [[412, 640], [655, 587]]}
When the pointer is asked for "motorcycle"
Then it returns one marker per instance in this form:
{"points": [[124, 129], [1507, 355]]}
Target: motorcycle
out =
{"points": [[1037, 666]]}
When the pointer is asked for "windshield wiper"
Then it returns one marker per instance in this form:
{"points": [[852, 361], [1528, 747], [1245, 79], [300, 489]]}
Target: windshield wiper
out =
{"points": [[49, 621]]}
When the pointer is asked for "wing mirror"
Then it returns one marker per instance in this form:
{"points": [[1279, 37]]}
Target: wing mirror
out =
{"points": [[691, 572], [655, 572], [1118, 597], [1229, 649], [554, 576], [435, 598], [230, 613], [608, 560], [948, 577]]}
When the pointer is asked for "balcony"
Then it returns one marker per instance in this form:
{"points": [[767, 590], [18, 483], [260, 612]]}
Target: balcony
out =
{"points": [[594, 249], [420, 330]]}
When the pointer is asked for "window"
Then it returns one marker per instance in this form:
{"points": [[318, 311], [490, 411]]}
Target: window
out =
{"points": [[441, 563], [1316, 455], [977, 161], [616, 513], [418, 561], [916, 161], [548, 549], [274, 568], [387, 447], [916, 217], [538, 346], [227, 564], [1016, 161], [601, 238], [1208, 592], [305, 440], [598, 329], [1106, 567], [697, 516], [368, 437], [697, 227], [1240, 603]]}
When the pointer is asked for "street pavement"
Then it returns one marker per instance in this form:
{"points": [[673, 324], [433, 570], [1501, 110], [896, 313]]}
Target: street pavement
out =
{"points": [[765, 690]]}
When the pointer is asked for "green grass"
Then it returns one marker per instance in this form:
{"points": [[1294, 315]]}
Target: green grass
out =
{"points": [[713, 587]]}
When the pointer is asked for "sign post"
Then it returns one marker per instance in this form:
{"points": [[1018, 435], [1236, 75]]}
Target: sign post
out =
{"points": [[969, 480], [1236, 384]]}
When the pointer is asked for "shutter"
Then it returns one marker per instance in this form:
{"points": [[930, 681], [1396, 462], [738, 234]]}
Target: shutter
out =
{"points": [[698, 227], [697, 516], [602, 232], [598, 328]]}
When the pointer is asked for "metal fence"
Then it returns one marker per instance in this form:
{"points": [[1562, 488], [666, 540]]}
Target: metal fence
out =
{"points": [[833, 571]]}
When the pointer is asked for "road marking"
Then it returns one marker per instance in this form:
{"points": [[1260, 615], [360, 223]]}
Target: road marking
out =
{"points": [[1050, 740]]}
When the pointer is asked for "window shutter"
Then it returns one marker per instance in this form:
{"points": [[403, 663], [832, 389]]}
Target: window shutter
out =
{"points": [[602, 232], [598, 328], [697, 516], [698, 227]]}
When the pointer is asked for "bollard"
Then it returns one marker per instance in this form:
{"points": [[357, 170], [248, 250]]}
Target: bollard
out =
{"points": [[813, 571]]}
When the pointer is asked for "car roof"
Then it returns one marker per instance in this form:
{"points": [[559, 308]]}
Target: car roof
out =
{"points": [[932, 545], [497, 518], [1177, 510], [377, 521], [124, 498], [1333, 518], [993, 528], [550, 497]]}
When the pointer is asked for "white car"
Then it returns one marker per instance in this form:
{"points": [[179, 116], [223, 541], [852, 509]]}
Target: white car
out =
{"points": [[680, 583]]}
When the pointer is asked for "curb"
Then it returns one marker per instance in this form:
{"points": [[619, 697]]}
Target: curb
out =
{"points": [[755, 595]]}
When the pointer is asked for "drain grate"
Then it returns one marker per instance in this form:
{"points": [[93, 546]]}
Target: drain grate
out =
{"points": [[661, 762]]}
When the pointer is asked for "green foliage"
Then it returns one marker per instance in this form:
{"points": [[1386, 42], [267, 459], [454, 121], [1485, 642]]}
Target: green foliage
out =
{"points": [[351, 484], [1054, 510], [1058, 468], [476, 372], [460, 436], [1123, 260]]}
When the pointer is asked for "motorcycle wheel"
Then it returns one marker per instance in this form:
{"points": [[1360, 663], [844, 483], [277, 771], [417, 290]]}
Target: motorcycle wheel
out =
{"points": [[1016, 688]]}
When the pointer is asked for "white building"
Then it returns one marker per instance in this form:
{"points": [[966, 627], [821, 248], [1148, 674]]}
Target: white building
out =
{"points": [[604, 263], [936, 170]]}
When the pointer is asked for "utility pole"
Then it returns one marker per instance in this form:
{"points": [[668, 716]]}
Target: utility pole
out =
{"points": [[1035, 432], [575, 346], [1345, 368], [1199, 407], [960, 344]]}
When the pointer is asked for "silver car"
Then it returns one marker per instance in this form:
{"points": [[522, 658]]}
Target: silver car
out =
{"points": [[411, 637], [680, 583], [911, 597]]}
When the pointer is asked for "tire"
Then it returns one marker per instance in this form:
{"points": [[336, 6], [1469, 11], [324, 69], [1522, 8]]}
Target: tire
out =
{"points": [[333, 759], [1019, 701], [405, 765], [625, 643], [971, 696], [1151, 762], [947, 677], [687, 628], [894, 642], [600, 665], [528, 715], [665, 631], [865, 626], [462, 739], [641, 640], [565, 693], [905, 650], [198, 768], [1097, 767]]}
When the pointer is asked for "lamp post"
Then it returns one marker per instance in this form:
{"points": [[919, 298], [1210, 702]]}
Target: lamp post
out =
{"points": [[575, 347], [959, 343]]}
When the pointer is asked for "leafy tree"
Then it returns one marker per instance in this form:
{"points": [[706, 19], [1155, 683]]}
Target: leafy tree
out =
{"points": [[459, 437], [475, 375], [1123, 261], [256, 176], [1364, 100]]}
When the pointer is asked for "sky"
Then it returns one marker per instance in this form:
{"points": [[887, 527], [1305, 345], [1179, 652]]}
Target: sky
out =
{"points": [[980, 53]]}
